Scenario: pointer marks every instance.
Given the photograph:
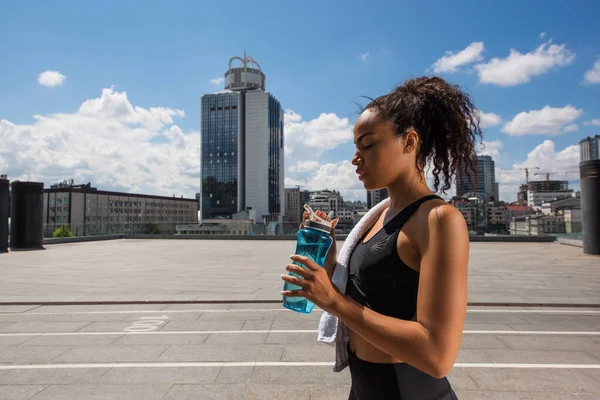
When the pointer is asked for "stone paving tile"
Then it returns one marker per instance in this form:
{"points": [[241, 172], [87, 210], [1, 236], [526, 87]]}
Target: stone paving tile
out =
{"points": [[234, 316], [313, 375], [470, 341], [534, 380], [249, 338], [108, 327], [13, 340], [294, 325], [333, 392], [257, 325], [497, 395], [16, 309], [460, 379], [525, 356], [31, 354], [578, 343], [96, 340], [222, 352], [235, 375], [19, 392], [206, 392], [173, 375], [37, 327], [298, 352], [203, 325], [292, 338], [82, 317], [277, 392], [113, 353], [103, 392], [150, 339], [51, 376], [172, 316]]}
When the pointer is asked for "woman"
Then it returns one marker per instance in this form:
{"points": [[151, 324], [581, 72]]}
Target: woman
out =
{"points": [[406, 296]]}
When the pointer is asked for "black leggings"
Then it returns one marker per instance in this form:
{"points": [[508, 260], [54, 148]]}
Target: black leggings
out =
{"points": [[372, 381]]}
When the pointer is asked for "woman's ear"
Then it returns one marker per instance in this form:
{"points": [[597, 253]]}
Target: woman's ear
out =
{"points": [[411, 141]]}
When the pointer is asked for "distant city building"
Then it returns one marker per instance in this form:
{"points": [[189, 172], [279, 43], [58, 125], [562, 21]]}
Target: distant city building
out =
{"points": [[534, 193], [375, 197], [294, 200], [242, 147], [484, 183], [537, 225], [497, 218], [589, 148], [199, 200], [89, 211], [326, 200]]}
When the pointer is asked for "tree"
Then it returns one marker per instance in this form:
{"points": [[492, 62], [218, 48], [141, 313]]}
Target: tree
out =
{"points": [[152, 229], [63, 231]]}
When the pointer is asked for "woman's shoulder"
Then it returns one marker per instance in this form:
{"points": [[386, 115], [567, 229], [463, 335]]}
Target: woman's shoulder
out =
{"points": [[438, 216]]}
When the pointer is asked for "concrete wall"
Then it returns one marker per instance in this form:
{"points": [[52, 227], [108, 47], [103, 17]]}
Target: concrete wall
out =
{"points": [[257, 150]]}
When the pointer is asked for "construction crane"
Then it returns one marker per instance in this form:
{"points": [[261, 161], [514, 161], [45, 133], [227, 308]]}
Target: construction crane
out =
{"points": [[554, 173], [527, 172]]}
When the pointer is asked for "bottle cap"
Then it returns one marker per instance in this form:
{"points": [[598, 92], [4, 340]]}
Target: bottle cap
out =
{"points": [[316, 222]]}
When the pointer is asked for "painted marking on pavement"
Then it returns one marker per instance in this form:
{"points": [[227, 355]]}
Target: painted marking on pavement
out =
{"points": [[241, 310], [274, 364], [287, 331]]}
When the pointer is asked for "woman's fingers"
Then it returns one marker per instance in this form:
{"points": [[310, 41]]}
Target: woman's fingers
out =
{"points": [[298, 270], [293, 280]]}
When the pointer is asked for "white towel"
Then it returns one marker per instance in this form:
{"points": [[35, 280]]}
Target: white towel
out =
{"points": [[332, 331]]}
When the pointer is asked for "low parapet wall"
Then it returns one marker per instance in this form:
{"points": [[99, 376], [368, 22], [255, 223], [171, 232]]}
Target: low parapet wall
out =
{"points": [[49, 241]]}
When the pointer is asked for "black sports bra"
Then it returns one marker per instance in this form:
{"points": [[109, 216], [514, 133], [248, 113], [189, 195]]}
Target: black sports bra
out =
{"points": [[378, 278]]}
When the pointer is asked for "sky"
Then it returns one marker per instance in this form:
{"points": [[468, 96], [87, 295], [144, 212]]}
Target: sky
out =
{"points": [[109, 92]]}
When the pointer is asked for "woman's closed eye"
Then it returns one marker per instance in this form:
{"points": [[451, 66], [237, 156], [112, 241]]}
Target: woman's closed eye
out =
{"points": [[367, 147]]}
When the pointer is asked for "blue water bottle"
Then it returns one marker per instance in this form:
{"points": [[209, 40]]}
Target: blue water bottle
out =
{"points": [[314, 241]]}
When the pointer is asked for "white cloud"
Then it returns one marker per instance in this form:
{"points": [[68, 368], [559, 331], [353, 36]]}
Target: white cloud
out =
{"points": [[548, 120], [364, 56], [491, 148], [307, 140], [593, 74], [571, 128], [304, 166], [595, 122], [542, 35], [108, 142], [51, 78], [489, 120], [562, 165], [217, 81], [518, 68], [451, 61]]}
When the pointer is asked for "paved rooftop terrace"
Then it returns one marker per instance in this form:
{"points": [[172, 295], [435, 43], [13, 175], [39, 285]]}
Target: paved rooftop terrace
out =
{"points": [[263, 351], [227, 270]]}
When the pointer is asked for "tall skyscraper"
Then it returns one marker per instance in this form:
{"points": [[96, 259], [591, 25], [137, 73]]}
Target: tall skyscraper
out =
{"points": [[485, 182], [376, 196], [242, 146], [589, 148]]}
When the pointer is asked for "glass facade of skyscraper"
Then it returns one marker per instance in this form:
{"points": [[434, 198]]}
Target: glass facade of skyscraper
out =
{"points": [[275, 155], [220, 154], [484, 183]]}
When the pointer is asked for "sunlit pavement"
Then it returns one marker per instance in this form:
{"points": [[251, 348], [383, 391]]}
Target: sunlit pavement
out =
{"points": [[262, 351]]}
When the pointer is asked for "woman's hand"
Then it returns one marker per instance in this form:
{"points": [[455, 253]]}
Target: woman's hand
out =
{"points": [[331, 258], [316, 285]]}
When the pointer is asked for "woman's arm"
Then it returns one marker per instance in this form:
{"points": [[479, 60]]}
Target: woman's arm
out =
{"points": [[431, 343]]}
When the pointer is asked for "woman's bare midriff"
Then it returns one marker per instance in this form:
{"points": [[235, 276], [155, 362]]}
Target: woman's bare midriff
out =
{"points": [[367, 352]]}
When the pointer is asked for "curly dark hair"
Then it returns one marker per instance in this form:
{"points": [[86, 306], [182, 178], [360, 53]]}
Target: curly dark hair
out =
{"points": [[444, 118]]}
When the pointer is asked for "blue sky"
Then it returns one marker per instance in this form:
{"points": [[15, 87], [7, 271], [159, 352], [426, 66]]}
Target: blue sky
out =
{"points": [[155, 60]]}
